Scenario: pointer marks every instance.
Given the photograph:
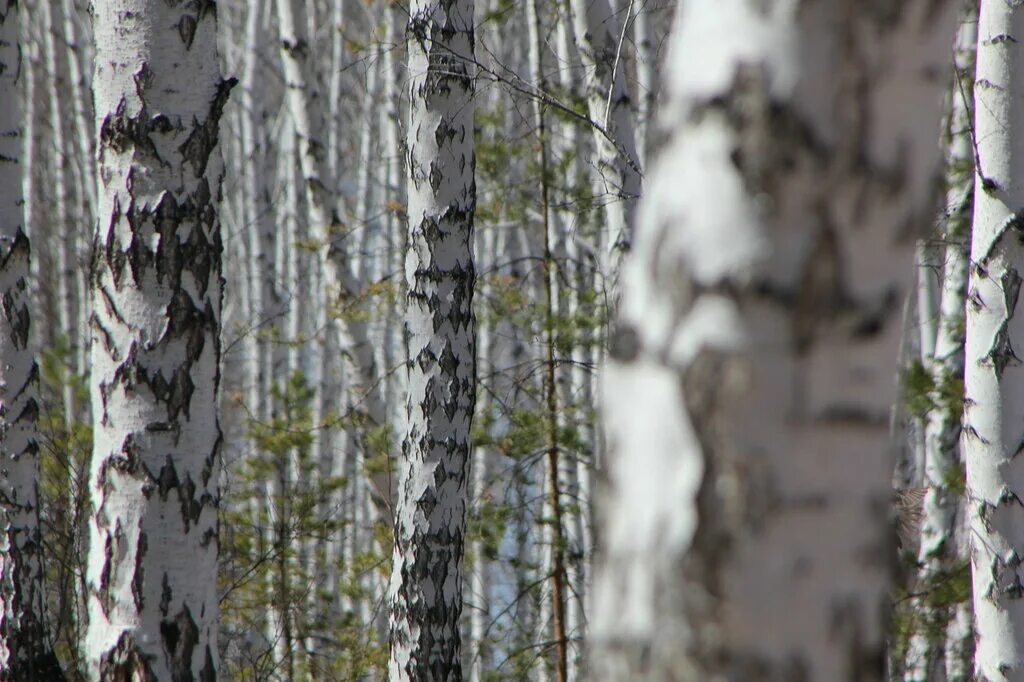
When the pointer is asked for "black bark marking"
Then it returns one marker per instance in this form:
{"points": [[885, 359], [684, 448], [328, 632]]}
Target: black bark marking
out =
{"points": [[138, 577], [15, 258], [187, 29], [203, 138], [166, 594], [122, 133], [180, 636], [125, 662]]}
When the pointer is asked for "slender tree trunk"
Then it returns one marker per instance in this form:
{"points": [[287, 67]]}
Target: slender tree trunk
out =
{"points": [[66, 250], [25, 652], [306, 109], [599, 32], [994, 405], [646, 77], [939, 551], [426, 580], [750, 376], [157, 292], [552, 476]]}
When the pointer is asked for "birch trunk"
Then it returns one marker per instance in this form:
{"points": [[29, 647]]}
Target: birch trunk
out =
{"points": [[750, 376], [599, 33], [426, 580], [308, 116], [939, 551], [66, 251], [994, 404], [646, 77], [155, 348], [25, 652]]}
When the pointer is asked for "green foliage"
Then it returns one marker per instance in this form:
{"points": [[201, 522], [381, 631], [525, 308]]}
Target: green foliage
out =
{"points": [[276, 521], [65, 440], [918, 385], [954, 479], [927, 610], [923, 391]]}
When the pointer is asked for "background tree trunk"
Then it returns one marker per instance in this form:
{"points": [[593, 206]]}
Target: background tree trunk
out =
{"points": [[940, 551], [25, 652], [426, 581]]}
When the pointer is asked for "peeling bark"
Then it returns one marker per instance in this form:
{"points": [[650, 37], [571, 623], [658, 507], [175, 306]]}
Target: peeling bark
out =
{"points": [[25, 651], [743, 530], [157, 291], [426, 581]]}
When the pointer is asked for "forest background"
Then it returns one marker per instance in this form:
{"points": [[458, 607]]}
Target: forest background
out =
{"points": [[315, 231]]}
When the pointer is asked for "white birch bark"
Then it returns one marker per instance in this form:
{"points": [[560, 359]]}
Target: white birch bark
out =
{"points": [[426, 580], [646, 77], [25, 652], [66, 252], [306, 109], [85, 157], [750, 376], [993, 376], [152, 566], [79, 162], [938, 552], [960, 631], [477, 597], [599, 32], [395, 202]]}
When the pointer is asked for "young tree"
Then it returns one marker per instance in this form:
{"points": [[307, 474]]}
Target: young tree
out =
{"points": [[993, 374], [600, 35], [25, 651], [157, 291], [934, 648], [750, 377], [426, 581]]}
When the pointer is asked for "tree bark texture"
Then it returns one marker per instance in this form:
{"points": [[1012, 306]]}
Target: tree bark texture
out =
{"points": [[426, 582], [599, 32], [25, 652], [750, 375], [994, 375], [939, 552], [157, 291]]}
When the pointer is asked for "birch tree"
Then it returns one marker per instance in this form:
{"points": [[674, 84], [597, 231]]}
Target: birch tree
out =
{"points": [[750, 375], [426, 580], [600, 36], [939, 552], [25, 652], [994, 403], [157, 291]]}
